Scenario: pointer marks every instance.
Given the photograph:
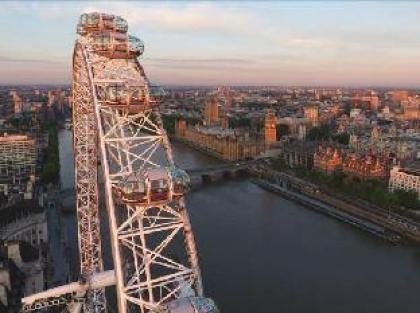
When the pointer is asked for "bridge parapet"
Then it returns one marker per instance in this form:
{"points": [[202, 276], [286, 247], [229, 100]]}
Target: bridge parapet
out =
{"points": [[221, 172]]}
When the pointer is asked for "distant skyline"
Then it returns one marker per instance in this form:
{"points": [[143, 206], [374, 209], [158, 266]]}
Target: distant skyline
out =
{"points": [[347, 43]]}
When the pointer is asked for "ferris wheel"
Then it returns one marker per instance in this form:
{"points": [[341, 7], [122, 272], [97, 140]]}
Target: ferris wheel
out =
{"points": [[116, 121]]}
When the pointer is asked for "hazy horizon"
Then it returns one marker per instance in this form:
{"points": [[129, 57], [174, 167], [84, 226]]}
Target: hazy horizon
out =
{"points": [[414, 88], [348, 44]]}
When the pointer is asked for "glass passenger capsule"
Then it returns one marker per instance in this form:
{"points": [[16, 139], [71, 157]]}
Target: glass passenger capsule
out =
{"points": [[159, 184], [120, 24], [116, 45], [192, 305], [156, 93], [107, 21], [99, 22], [135, 45], [129, 97], [181, 182], [153, 185], [133, 190]]}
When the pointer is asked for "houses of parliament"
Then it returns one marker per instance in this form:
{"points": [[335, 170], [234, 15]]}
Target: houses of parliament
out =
{"points": [[216, 138]]}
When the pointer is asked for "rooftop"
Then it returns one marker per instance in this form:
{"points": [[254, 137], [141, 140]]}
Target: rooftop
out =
{"points": [[7, 138]]}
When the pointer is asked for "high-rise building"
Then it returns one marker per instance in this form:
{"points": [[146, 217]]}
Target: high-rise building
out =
{"points": [[411, 109], [374, 102], [311, 113], [405, 178], [270, 130], [17, 162], [302, 132], [17, 102], [211, 111], [400, 95]]}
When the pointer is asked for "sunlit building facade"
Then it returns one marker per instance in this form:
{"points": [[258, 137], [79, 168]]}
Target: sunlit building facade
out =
{"points": [[211, 111], [327, 159], [406, 179], [365, 167], [222, 143], [17, 162], [311, 113], [270, 130]]}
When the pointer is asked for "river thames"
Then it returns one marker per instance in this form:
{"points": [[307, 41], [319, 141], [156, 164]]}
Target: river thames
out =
{"points": [[260, 253]]}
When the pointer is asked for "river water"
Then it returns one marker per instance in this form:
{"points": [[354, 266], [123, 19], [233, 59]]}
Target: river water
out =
{"points": [[260, 253]]}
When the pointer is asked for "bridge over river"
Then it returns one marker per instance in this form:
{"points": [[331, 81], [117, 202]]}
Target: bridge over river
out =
{"points": [[220, 171]]}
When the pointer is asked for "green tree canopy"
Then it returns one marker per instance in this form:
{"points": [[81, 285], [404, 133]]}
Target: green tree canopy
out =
{"points": [[408, 199]]}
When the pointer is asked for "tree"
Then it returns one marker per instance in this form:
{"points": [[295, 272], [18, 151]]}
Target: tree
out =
{"points": [[342, 138], [319, 133], [239, 122], [379, 197], [169, 123], [279, 164], [282, 130], [408, 199], [193, 120], [338, 177], [51, 168]]}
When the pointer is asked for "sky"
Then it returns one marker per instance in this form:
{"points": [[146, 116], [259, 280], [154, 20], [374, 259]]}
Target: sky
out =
{"points": [[326, 43]]}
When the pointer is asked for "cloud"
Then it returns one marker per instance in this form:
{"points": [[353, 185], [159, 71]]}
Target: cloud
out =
{"points": [[199, 61], [211, 64], [6, 59], [189, 17], [195, 41], [48, 10], [308, 42]]}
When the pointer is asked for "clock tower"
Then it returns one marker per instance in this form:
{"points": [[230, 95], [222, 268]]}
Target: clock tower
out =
{"points": [[270, 130]]}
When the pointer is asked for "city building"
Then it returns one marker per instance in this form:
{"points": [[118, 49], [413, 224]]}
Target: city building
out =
{"points": [[21, 272], [355, 112], [400, 95], [343, 123], [12, 285], [299, 154], [17, 164], [311, 113], [215, 136], [367, 100], [328, 159], [293, 124], [411, 109], [301, 132], [407, 178], [365, 167], [24, 221], [226, 144]]}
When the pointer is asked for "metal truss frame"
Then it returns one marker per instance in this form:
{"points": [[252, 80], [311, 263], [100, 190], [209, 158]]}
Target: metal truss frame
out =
{"points": [[153, 247], [143, 237], [86, 179]]}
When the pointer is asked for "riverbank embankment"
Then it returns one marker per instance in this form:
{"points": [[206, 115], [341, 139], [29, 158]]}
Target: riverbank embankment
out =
{"points": [[311, 196]]}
